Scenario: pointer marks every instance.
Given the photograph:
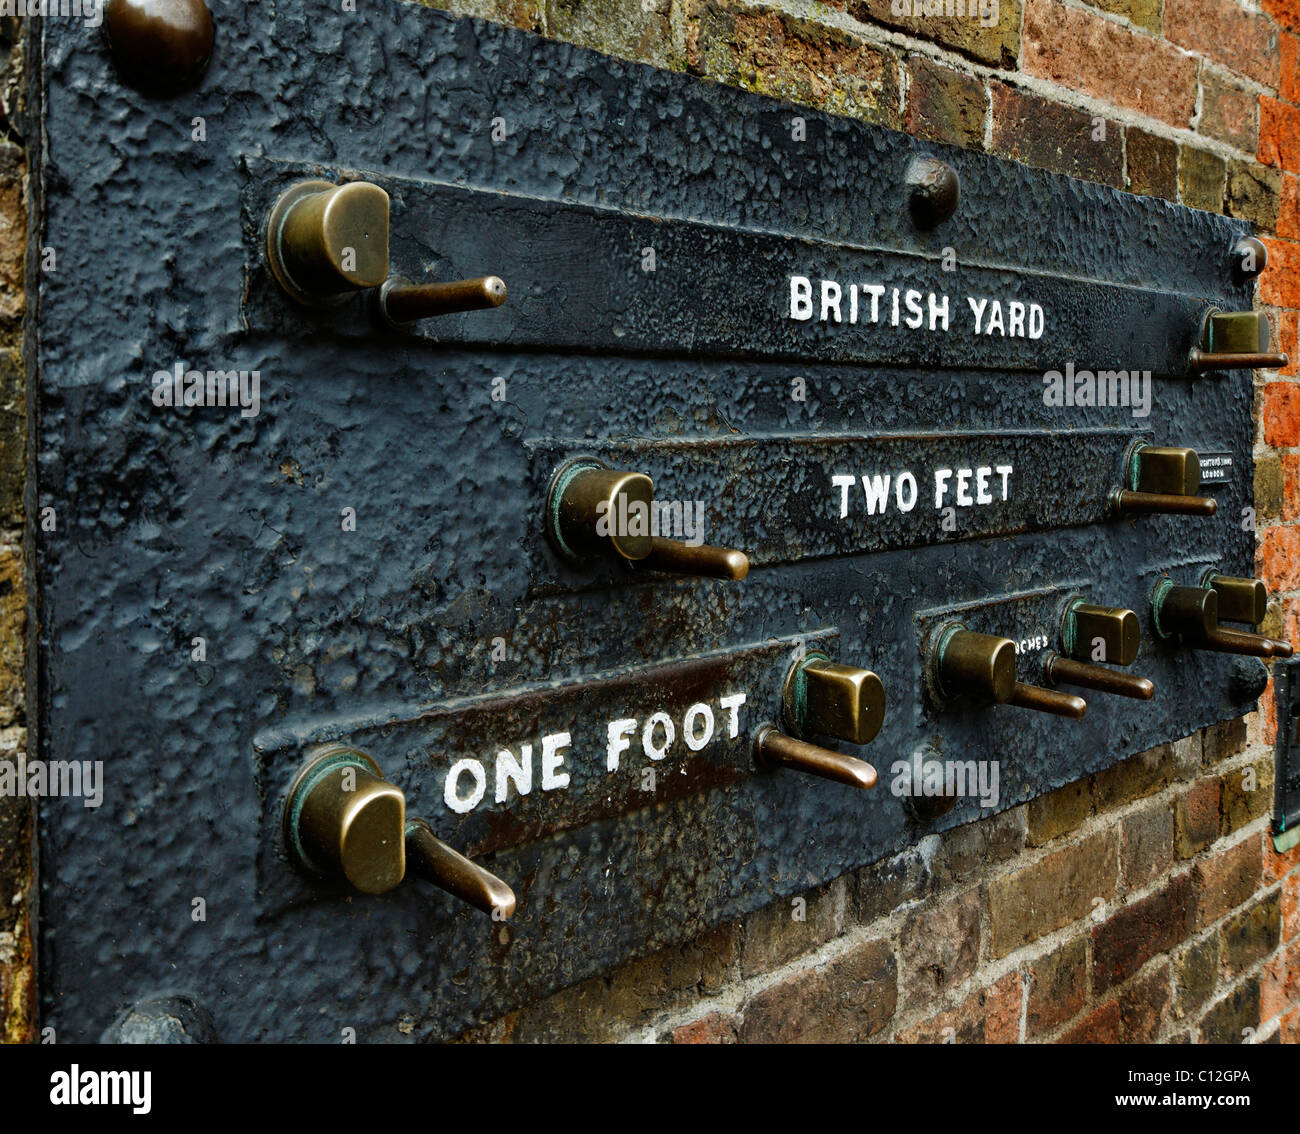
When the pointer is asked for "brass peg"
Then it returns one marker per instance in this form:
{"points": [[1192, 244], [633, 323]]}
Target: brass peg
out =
{"points": [[1192, 615], [1087, 630], [1164, 479], [593, 510], [1067, 671], [983, 667], [403, 303], [342, 818], [1240, 600], [1232, 340], [448, 869], [823, 698], [774, 749], [325, 242]]}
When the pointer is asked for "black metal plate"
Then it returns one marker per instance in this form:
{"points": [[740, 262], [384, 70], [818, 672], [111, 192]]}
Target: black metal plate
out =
{"points": [[200, 522]]}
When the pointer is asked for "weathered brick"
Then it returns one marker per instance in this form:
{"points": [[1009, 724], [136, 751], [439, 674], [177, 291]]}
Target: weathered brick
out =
{"points": [[975, 847], [1099, 57], [880, 888], [1187, 755], [1229, 113], [1139, 931], [1288, 225], [1254, 193], [775, 934], [1147, 843], [1142, 1006], [1224, 741], [1226, 880], [1200, 179], [1291, 907], [13, 624], [1235, 1017], [1268, 486], [13, 437], [1046, 134], [1102, 1025], [1144, 13], [1196, 818], [1058, 987], [800, 60], [1196, 974], [1052, 892], [1279, 134], [1276, 865], [1245, 42], [1151, 164], [1279, 986], [1247, 794], [1288, 86], [844, 1001], [716, 1027], [1289, 1031], [1052, 815], [940, 948], [944, 105], [526, 14], [1250, 935], [640, 31], [991, 1015], [998, 44], [1141, 775]]}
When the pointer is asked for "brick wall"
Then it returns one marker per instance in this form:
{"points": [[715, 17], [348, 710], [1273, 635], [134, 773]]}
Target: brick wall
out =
{"points": [[1146, 902]]}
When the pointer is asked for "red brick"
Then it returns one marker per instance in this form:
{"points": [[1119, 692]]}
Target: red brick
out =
{"points": [[1279, 558], [713, 1028], [1279, 285], [997, 45], [1285, 12], [1279, 134], [1289, 83], [1196, 818], [1286, 336], [1268, 714], [1099, 57], [1279, 987], [991, 1015], [1100, 1026], [1226, 880], [1245, 42], [1139, 931], [1281, 414]]}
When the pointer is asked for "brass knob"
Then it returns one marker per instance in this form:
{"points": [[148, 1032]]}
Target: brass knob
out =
{"points": [[1191, 614], [403, 303], [1164, 479], [343, 819], [1100, 633], [593, 510], [983, 668], [773, 749], [162, 46], [1232, 340], [823, 698], [436, 862], [1240, 600], [325, 242]]}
